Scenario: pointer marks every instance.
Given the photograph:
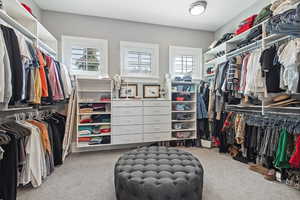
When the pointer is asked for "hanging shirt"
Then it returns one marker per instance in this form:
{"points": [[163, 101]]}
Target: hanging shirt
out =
{"points": [[54, 81], [42, 63], [12, 45], [281, 160], [35, 168], [25, 57], [290, 59], [5, 73], [66, 80], [37, 86], [244, 73]]}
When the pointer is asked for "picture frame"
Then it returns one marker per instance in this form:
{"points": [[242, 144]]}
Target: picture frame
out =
{"points": [[128, 91], [151, 91]]}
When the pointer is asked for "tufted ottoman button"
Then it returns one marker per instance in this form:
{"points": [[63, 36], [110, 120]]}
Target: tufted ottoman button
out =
{"points": [[158, 173]]}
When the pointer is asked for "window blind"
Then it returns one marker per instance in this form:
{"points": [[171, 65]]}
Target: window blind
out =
{"points": [[86, 59], [139, 62], [184, 64]]}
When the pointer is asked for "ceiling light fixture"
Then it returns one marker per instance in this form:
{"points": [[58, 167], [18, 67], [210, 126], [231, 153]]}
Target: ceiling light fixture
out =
{"points": [[198, 8]]}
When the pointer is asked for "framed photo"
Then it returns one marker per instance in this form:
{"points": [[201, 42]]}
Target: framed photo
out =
{"points": [[128, 91], [151, 91]]}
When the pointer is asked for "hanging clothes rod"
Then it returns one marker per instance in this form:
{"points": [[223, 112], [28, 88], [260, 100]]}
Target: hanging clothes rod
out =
{"points": [[288, 37], [266, 112], [246, 49]]}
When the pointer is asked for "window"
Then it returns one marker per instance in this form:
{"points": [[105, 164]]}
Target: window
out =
{"points": [[184, 64], [139, 60], [85, 56], [185, 61]]}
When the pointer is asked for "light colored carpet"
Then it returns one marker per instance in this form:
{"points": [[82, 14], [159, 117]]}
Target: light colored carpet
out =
{"points": [[89, 176]]}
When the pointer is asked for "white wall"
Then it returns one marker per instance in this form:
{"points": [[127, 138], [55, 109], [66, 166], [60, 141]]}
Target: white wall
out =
{"points": [[37, 12], [117, 30], [232, 25]]}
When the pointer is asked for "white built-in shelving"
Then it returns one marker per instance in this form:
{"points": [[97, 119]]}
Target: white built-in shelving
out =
{"points": [[230, 49], [17, 17], [93, 92], [187, 91]]}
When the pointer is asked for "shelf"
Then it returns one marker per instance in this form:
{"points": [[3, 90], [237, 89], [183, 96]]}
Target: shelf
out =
{"points": [[179, 139], [46, 37], [95, 135], [94, 124], [94, 91], [183, 101], [243, 35], [217, 60], [15, 24], [96, 113], [245, 49], [182, 130], [16, 109], [216, 50], [87, 145], [182, 83], [183, 121], [184, 92], [17, 11], [89, 102], [186, 111], [209, 75]]}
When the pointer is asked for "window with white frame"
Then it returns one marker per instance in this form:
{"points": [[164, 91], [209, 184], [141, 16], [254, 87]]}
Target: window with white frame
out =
{"points": [[185, 61], [139, 60], [85, 56]]}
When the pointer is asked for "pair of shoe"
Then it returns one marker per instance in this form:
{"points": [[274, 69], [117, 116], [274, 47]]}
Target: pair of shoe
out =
{"points": [[269, 175]]}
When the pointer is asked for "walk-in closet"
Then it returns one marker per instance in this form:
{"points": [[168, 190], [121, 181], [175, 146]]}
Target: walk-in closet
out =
{"points": [[146, 100]]}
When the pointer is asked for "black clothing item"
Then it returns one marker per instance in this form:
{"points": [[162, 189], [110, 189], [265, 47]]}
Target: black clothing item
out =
{"points": [[8, 169], [271, 69], [224, 38], [254, 35], [57, 142], [203, 130], [57, 125], [13, 49], [49, 99]]}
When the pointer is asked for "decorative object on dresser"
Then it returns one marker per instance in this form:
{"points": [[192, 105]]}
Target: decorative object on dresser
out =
{"points": [[128, 91], [151, 91]]}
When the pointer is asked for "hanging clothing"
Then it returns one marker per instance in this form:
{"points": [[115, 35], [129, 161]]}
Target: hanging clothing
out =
{"points": [[295, 159], [44, 83], [281, 160], [5, 74], [54, 80], [11, 42]]}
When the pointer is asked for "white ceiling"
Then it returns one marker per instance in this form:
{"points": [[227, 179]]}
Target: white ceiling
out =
{"points": [[162, 12]]}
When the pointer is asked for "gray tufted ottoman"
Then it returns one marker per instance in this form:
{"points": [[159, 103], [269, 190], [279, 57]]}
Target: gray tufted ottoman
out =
{"points": [[158, 173]]}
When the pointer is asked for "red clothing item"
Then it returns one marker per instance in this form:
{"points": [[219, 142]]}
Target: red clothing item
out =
{"points": [[248, 23], [42, 74], [295, 159], [84, 121]]}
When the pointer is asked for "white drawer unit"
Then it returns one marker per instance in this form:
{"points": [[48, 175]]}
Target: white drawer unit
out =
{"points": [[163, 119], [127, 111], [157, 110], [127, 103], [127, 120], [157, 103], [128, 130], [128, 139], [154, 128], [156, 137]]}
